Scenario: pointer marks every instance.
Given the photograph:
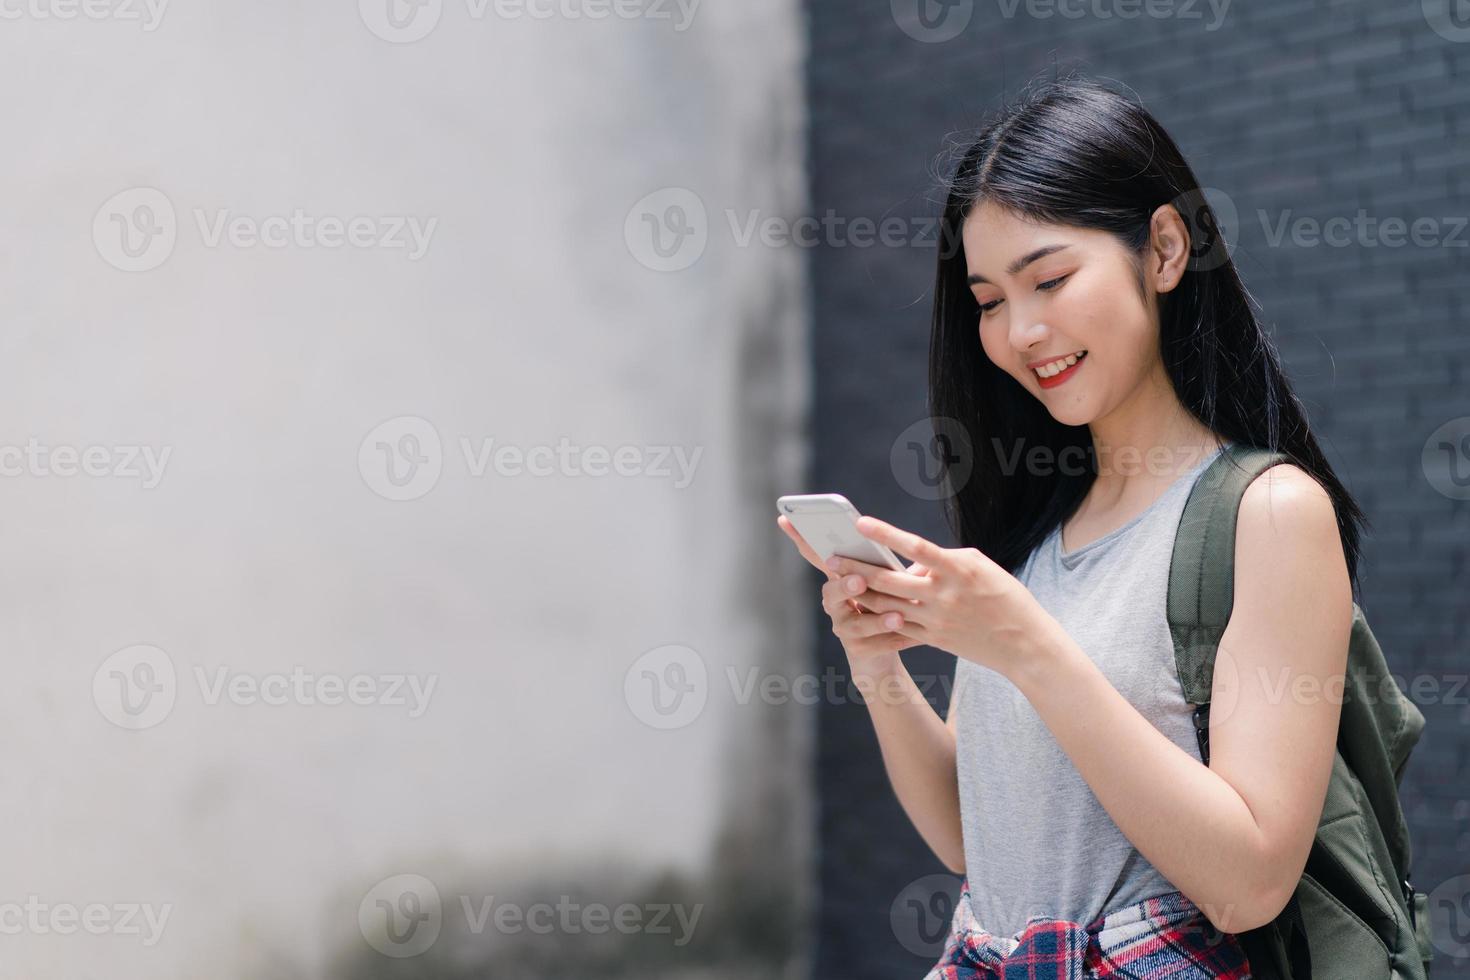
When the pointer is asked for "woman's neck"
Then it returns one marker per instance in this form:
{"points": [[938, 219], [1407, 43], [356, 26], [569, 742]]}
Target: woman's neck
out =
{"points": [[1142, 453]]}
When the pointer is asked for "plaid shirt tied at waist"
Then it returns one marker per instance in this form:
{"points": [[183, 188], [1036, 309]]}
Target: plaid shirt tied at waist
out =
{"points": [[1163, 936]]}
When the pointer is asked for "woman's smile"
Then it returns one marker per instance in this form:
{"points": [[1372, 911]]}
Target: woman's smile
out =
{"points": [[1060, 377]]}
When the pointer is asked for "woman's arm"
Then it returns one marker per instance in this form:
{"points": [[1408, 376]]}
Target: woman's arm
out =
{"points": [[918, 749], [1234, 837], [918, 752]]}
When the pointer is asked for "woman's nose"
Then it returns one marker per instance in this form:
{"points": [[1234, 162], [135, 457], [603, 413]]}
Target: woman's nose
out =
{"points": [[1027, 335]]}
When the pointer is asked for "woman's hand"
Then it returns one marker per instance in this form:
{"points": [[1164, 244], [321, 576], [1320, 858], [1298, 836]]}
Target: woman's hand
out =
{"points": [[863, 634], [966, 604]]}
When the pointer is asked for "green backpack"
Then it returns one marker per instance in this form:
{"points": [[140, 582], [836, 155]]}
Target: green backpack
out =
{"points": [[1354, 913]]}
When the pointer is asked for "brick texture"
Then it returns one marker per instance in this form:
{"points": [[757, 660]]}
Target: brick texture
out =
{"points": [[1301, 112]]}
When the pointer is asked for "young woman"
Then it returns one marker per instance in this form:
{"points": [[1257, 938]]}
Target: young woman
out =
{"points": [[1092, 339]]}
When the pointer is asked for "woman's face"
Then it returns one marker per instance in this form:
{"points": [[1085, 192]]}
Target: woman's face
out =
{"points": [[1080, 295]]}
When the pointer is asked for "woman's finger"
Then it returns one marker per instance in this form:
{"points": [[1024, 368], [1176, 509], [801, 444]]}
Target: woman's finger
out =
{"points": [[851, 618], [855, 591], [843, 611], [838, 603], [906, 543], [836, 594], [860, 625], [905, 584], [880, 602]]}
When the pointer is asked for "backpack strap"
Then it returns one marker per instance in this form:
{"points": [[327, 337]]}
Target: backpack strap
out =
{"points": [[1201, 595], [1202, 572]]}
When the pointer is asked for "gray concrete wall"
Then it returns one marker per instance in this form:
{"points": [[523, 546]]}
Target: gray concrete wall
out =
{"points": [[210, 257]]}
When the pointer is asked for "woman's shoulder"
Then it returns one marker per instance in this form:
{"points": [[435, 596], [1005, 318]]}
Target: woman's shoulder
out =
{"points": [[1287, 532], [1286, 489]]}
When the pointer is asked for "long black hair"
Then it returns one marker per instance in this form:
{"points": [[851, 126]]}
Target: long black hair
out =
{"points": [[1071, 151]]}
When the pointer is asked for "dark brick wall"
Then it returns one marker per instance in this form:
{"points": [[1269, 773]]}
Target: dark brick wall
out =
{"points": [[1292, 108]]}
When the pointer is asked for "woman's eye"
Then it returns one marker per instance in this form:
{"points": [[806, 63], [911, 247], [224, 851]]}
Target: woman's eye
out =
{"points": [[1048, 286]]}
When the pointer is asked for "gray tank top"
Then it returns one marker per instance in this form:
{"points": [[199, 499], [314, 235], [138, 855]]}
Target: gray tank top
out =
{"points": [[1037, 841]]}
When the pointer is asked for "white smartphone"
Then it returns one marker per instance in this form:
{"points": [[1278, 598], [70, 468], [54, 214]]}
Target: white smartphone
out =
{"points": [[828, 522]]}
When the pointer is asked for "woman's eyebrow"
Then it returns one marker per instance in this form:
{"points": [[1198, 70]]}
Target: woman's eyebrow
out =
{"points": [[1020, 263]]}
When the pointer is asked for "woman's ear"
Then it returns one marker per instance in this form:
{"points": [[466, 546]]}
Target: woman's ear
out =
{"points": [[1168, 248]]}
